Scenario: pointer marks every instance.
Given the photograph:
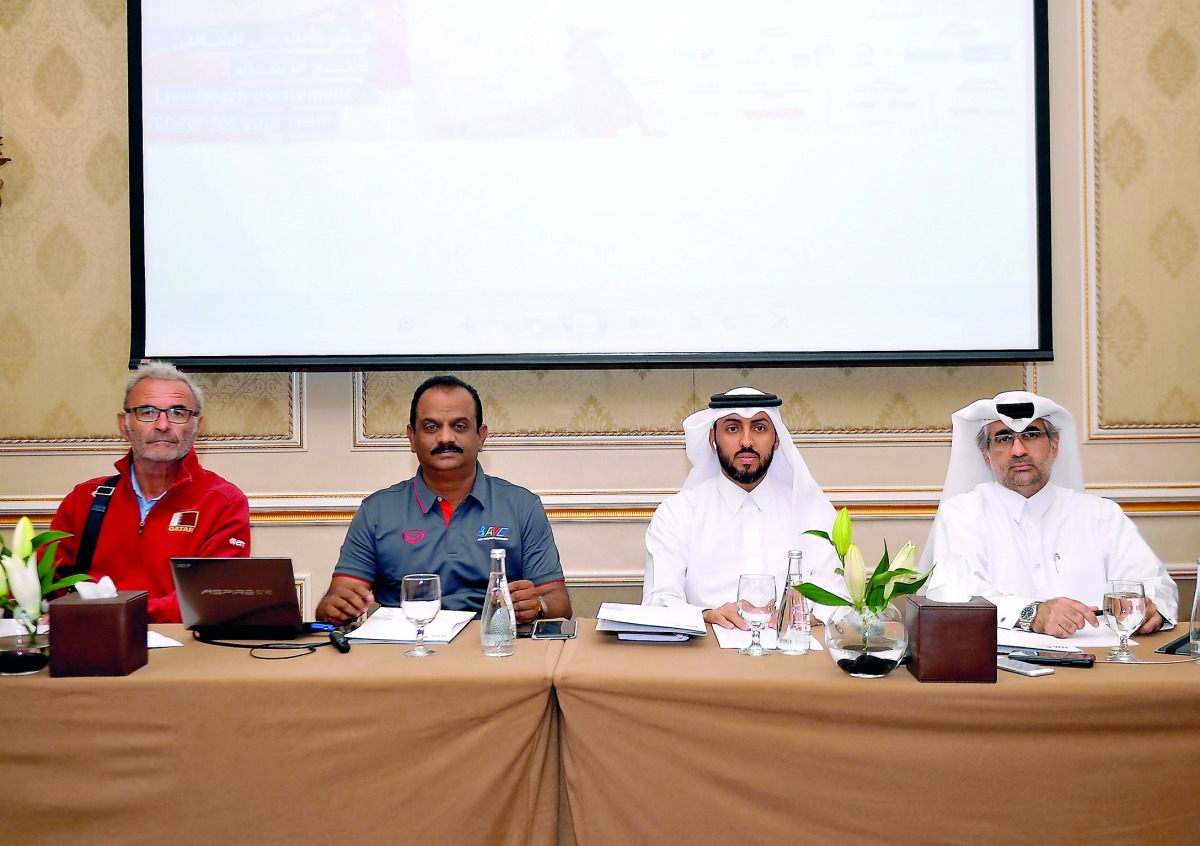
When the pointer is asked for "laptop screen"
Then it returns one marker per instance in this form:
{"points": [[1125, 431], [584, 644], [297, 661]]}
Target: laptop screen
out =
{"points": [[238, 597]]}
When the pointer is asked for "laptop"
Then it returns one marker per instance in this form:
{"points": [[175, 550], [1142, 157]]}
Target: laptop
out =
{"points": [[238, 598]]}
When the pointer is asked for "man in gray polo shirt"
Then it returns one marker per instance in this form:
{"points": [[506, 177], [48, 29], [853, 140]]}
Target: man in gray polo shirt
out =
{"points": [[446, 520]]}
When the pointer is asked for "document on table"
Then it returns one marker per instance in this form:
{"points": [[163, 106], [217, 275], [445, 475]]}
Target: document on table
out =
{"points": [[738, 639], [155, 640], [389, 625], [625, 617], [1089, 637], [12, 628]]}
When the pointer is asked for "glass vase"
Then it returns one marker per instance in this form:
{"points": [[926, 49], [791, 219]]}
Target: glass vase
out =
{"points": [[24, 653], [867, 646]]}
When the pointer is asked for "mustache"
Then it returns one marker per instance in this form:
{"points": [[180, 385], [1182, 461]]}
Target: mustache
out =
{"points": [[748, 451], [441, 448]]}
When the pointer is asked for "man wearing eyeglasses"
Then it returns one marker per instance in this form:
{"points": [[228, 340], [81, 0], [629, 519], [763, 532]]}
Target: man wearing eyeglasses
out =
{"points": [[164, 504], [1016, 527]]}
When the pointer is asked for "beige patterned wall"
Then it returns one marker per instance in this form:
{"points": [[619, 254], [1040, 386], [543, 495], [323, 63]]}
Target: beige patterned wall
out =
{"points": [[632, 404], [1147, 56], [64, 240]]}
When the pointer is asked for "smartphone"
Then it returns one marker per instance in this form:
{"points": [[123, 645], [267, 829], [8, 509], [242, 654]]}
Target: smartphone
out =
{"points": [[1021, 667], [524, 629], [1053, 659], [553, 628]]}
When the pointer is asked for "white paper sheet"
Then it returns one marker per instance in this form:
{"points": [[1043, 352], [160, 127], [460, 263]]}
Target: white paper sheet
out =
{"points": [[621, 616], [738, 639], [11, 628], [389, 625], [154, 640], [1091, 637]]}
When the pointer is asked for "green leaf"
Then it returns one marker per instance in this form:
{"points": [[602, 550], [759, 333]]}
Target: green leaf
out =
{"points": [[905, 588], [818, 533], [820, 596], [67, 582], [883, 564], [46, 565], [47, 537]]}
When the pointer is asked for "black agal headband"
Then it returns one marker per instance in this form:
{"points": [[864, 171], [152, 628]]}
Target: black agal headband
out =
{"points": [[746, 401]]}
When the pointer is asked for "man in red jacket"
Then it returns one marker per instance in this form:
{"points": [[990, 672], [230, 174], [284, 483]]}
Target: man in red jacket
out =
{"points": [[165, 504]]}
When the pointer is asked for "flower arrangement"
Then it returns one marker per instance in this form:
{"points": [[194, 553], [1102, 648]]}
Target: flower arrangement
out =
{"points": [[27, 579], [869, 595]]}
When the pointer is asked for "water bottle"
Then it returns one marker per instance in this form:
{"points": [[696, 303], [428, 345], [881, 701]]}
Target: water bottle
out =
{"points": [[1196, 616], [792, 628], [498, 623]]}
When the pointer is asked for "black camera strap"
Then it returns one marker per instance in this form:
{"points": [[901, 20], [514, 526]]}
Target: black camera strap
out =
{"points": [[91, 530]]}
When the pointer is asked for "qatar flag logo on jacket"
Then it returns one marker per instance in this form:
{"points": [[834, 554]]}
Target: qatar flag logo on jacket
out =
{"points": [[184, 521]]}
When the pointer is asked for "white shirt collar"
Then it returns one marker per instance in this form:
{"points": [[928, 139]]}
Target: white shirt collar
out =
{"points": [[1018, 506]]}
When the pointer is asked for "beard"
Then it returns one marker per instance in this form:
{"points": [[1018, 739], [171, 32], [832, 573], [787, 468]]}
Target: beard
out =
{"points": [[744, 475]]}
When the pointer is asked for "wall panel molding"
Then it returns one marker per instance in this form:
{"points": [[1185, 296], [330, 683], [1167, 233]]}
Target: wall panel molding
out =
{"points": [[1142, 207], [242, 412]]}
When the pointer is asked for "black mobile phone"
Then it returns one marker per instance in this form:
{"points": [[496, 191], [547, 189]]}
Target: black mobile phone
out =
{"points": [[553, 628], [524, 629], [1053, 659]]}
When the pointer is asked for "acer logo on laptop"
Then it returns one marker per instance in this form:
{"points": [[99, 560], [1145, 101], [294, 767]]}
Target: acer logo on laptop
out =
{"points": [[236, 592]]}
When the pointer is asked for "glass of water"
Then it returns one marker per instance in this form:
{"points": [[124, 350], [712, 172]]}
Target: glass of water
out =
{"points": [[421, 600], [756, 605], [1124, 611]]}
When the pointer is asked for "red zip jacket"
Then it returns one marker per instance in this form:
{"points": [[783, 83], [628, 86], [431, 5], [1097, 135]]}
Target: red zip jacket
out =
{"points": [[200, 515]]}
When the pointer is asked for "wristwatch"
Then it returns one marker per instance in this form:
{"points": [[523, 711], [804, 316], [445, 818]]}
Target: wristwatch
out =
{"points": [[543, 608], [1025, 621]]}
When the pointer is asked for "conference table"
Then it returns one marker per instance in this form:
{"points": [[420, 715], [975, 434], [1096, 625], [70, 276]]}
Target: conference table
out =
{"points": [[689, 743], [206, 745], [648, 743]]}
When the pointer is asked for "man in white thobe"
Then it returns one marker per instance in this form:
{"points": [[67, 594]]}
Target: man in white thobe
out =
{"points": [[748, 500], [1016, 527]]}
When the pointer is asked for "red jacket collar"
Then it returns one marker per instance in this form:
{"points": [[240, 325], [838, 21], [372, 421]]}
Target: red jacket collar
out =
{"points": [[188, 469]]}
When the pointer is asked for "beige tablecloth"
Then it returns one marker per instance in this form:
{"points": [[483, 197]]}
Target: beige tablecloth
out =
{"points": [[691, 744], [207, 746]]}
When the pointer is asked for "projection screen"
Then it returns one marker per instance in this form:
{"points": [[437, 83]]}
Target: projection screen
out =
{"points": [[427, 183]]}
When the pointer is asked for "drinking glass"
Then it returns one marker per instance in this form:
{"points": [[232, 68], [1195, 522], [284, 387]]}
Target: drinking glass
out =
{"points": [[421, 599], [1124, 611], [756, 605]]}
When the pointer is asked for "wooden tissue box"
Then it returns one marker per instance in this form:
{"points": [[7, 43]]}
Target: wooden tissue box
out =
{"points": [[947, 641], [98, 637]]}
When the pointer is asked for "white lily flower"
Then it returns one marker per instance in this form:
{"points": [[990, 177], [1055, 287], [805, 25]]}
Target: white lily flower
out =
{"points": [[905, 558], [855, 574], [841, 532], [23, 584], [22, 545]]}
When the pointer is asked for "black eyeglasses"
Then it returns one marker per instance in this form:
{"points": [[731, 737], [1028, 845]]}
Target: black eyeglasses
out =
{"points": [[149, 414], [1030, 437]]}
